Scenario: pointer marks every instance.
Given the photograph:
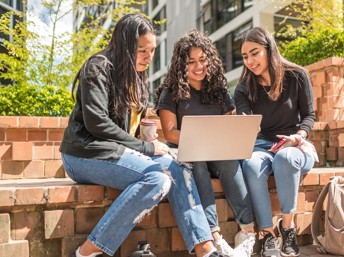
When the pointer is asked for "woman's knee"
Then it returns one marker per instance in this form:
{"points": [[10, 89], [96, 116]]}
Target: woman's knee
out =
{"points": [[288, 158]]}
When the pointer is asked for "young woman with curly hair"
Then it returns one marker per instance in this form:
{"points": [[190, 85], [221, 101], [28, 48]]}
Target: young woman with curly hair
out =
{"points": [[195, 85]]}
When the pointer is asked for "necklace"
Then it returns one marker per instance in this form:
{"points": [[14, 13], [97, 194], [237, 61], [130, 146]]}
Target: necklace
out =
{"points": [[267, 92]]}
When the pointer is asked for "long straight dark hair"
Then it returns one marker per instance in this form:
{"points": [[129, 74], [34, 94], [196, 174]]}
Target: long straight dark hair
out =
{"points": [[128, 86], [277, 65]]}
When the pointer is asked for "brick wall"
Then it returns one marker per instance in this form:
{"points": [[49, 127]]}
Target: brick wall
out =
{"points": [[44, 213]]}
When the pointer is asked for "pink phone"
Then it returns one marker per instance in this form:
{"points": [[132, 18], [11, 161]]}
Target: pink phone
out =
{"points": [[276, 146]]}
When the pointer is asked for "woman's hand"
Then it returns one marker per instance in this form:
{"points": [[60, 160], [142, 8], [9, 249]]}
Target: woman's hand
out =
{"points": [[160, 148], [292, 140]]}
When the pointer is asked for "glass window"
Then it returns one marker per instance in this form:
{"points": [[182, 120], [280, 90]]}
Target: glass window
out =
{"points": [[159, 18], [156, 60], [229, 47], [8, 2], [155, 3]]}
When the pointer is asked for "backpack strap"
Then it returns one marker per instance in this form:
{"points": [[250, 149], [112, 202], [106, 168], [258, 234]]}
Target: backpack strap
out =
{"points": [[315, 224]]}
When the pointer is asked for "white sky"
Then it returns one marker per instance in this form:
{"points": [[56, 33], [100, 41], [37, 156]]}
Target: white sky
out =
{"points": [[42, 20], [40, 16]]}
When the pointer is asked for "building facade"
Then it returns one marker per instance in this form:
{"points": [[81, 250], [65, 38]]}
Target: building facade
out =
{"points": [[5, 6], [225, 21]]}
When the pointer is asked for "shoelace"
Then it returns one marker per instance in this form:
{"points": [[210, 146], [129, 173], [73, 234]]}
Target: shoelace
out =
{"points": [[290, 239], [270, 242]]}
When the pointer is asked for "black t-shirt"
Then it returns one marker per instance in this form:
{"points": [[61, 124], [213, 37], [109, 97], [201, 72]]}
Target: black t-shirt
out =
{"points": [[193, 105], [291, 112]]}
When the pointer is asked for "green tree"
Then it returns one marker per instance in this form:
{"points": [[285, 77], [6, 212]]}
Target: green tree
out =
{"points": [[42, 67], [321, 34]]}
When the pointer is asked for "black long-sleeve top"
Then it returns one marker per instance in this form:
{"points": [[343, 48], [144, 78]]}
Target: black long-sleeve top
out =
{"points": [[291, 112]]}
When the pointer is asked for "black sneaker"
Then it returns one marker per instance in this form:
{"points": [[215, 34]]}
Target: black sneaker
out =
{"points": [[216, 254], [270, 247], [289, 244]]}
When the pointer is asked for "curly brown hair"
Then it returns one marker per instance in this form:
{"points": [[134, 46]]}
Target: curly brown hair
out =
{"points": [[214, 86]]}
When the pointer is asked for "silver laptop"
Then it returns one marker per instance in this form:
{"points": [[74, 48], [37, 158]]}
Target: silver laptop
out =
{"points": [[217, 137]]}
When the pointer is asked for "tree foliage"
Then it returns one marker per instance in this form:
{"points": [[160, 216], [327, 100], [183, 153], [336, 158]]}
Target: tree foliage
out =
{"points": [[42, 66], [321, 34]]}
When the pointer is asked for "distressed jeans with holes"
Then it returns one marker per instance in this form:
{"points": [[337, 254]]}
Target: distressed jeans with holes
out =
{"points": [[144, 183], [287, 166]]}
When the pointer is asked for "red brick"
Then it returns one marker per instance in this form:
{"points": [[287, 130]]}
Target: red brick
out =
{"points": [[37, 135], [131, 242], [4, 228], [5, 151], [325, 178], [318, 78], [331, 153], [49, 122], [54, 169], [166, 216], [217, 186], [63, 122], [27, 196], [8, 121], [87, 218], [341, 140], [43, 151], [34, 169], [310, 179], [16, 135], [222, 209], [158, 240], [12, 169], [7, 195], [55, 134], [177, 242], [15, 248], [301, 202], [303, 223], [26, 225], [61, 194], [58, 223], [310, 199], [229, 230], [57, 154], [28, 122], [2, 134], [22, 151], [70, 244], [90, 193], [275, 205], [112, 193]]}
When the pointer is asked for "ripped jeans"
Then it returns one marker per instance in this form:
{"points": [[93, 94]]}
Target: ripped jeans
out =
{"points": [[144, 183]]}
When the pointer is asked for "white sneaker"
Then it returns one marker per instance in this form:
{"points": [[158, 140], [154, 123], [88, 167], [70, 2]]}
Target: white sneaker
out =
{"points": [[245, 242], [223, 247]]}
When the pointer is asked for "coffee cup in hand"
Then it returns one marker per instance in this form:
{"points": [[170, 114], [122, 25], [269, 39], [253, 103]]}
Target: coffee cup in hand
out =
{"points": [[148, 129]]}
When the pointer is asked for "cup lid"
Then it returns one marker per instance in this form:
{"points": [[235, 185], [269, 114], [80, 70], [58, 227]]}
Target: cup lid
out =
{"points": [[148, 122]]}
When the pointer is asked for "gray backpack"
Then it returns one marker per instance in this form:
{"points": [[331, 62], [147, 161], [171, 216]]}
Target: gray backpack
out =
{"points": [[332, 239]]}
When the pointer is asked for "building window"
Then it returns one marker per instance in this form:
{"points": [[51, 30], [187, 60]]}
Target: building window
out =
{"points": [[159, 20], [219, 12], [155, 4], [156, 60], [229, 47]]}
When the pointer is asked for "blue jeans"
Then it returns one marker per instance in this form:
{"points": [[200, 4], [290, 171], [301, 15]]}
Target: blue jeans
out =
{"points": [[234, 187], [287, 166], [144, 181]]}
